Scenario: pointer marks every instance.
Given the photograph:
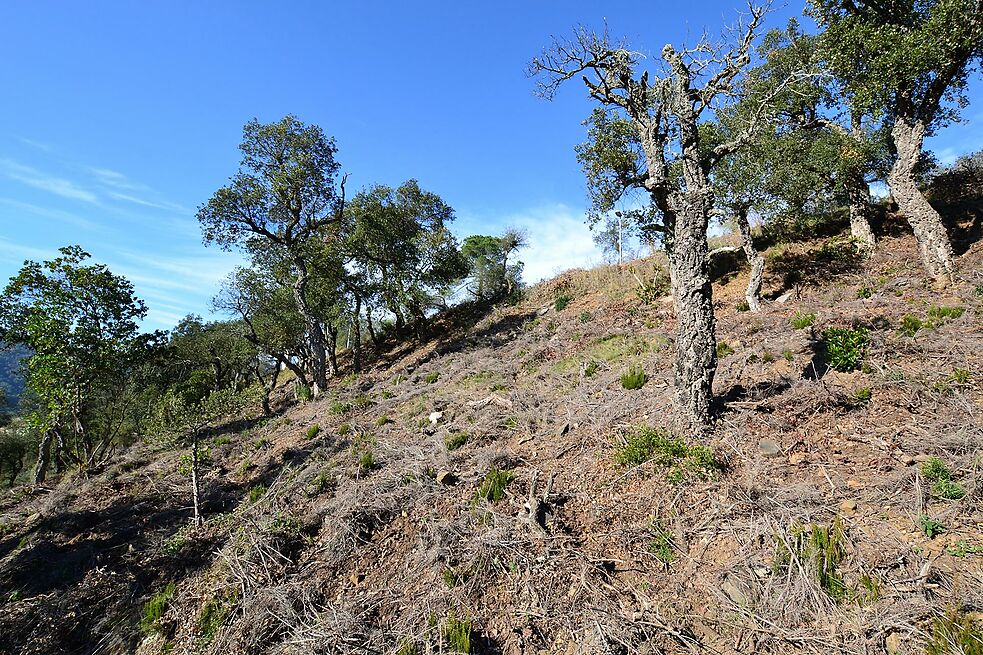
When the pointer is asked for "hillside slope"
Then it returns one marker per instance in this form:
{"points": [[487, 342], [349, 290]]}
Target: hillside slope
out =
{"points": [[382, 529]]}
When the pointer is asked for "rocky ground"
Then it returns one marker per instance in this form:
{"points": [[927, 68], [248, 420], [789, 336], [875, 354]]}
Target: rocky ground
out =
{"points": [[495, 488]]}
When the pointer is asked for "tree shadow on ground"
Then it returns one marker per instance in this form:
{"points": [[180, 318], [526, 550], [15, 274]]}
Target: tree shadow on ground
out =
{"points": [[817, 265], [756, 393]]}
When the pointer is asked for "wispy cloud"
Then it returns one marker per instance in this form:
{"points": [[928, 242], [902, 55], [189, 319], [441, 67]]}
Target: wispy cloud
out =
{"points": [[47, 212], [50, 183], [558, 239], [34, 144]]}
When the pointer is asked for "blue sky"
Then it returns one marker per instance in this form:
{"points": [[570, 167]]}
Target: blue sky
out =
{"points": [[120, 118]]}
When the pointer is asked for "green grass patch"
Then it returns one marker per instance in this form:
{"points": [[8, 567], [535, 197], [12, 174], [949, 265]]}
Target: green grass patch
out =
{"points": [[153, 609], [910, 325], [679, 459], [432, 377], [256, 492], [820, 550], [313, 431], [457, 634], [455, 440], [492, 488], [724, 349], [802, 320], [634, 378], [954, 633], [561, 302]]}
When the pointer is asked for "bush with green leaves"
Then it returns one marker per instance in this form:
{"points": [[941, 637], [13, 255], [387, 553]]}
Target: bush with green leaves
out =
{"points": [[929, 526], [679, 459], [634, 378], [943, 486], [943, 314], [431, 378], [724, 349], [864, 292], [910, 325], [256, 492], [661, 544], [313, 431], [586, 317], [457, 634], [802, 320], [561, 302], [845, 347]]}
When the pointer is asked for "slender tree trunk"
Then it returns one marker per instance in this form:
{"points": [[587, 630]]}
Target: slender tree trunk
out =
{"points": [[858, 194], [194, 479], [930, 232], [368, 323], [44, 456], [332, 348], [357, 328], [696, 339], [757, 263], [315, 334]]}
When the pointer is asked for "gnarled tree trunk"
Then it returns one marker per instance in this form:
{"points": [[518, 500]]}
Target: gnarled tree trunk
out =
{"points": [[933, 240], [858, 194], [754, 259], [315, 334], [44, 456], [696, 339]]}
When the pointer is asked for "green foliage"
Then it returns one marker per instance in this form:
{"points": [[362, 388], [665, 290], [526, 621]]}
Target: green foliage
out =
{"points": [[743, 306], [820, 550], [153, 609], [910, 325], [661, 544], [313, 431], [591, 368], [382, 420], [939, 315], [649, 291], [930, 526], [431, 378], [802, 320], [321, 483], [256, 492], [935, 469], [863, 394], [492, 276], [366, 461], [634, 378], [962, 548], [961, 376], [586, 317], [864, 292], [454, 576], [948, 489], [955, 632], [455, 440], [213, 615], [679, 459], [492, 488], [79, 321], [788, 355], [303, 392], [724, 349], [561, 302], [457, 634], [845, 347], [407, 647], [339, 407], [204, 458]]}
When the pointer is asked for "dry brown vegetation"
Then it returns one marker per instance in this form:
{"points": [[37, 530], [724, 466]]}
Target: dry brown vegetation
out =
{"points": [[372, 536]]}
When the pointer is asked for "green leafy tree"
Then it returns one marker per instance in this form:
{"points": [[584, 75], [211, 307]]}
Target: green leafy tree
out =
{"points": [[908, 62], [286, 201], [492, 275], [405, 254], [80, 323]]}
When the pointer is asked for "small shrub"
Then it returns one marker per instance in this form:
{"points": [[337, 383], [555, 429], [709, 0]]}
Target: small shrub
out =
{"points": [[935, 469], [457, 634], [153, 609], [213, 616], [321, 483], [910, 325], [939, 315], [845, 347], [863, 394], [788, 355], [261, 443], [724, 349], [221, 441], [869, 591], [493, 486], [679, 459], [313, 431], [930, 527], [454, 576], [586, 317], [948, 489], [767, 357], [561, 302], [256, 492], [366, 461], [864, 292], [591, 368], [362, 401], [382, 420], [455, 440], [961, 376], [820, 550], [339, 407], [802, 320], [344, 429], [962, 548], [743, 306], [431, 378], [979, 290], [634, 378], [661, 544], [387, 394], [955, 632], [303, 392]]}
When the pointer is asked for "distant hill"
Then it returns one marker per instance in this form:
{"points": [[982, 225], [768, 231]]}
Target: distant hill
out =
{"points": [[10, 377]]}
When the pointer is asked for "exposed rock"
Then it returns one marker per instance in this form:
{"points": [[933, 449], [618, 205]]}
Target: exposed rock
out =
{"points": [[892, 643], [734, 589], [796, 458], [563, 429], [435, 417], [769, 448], [446, 477], [848, 506]]}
